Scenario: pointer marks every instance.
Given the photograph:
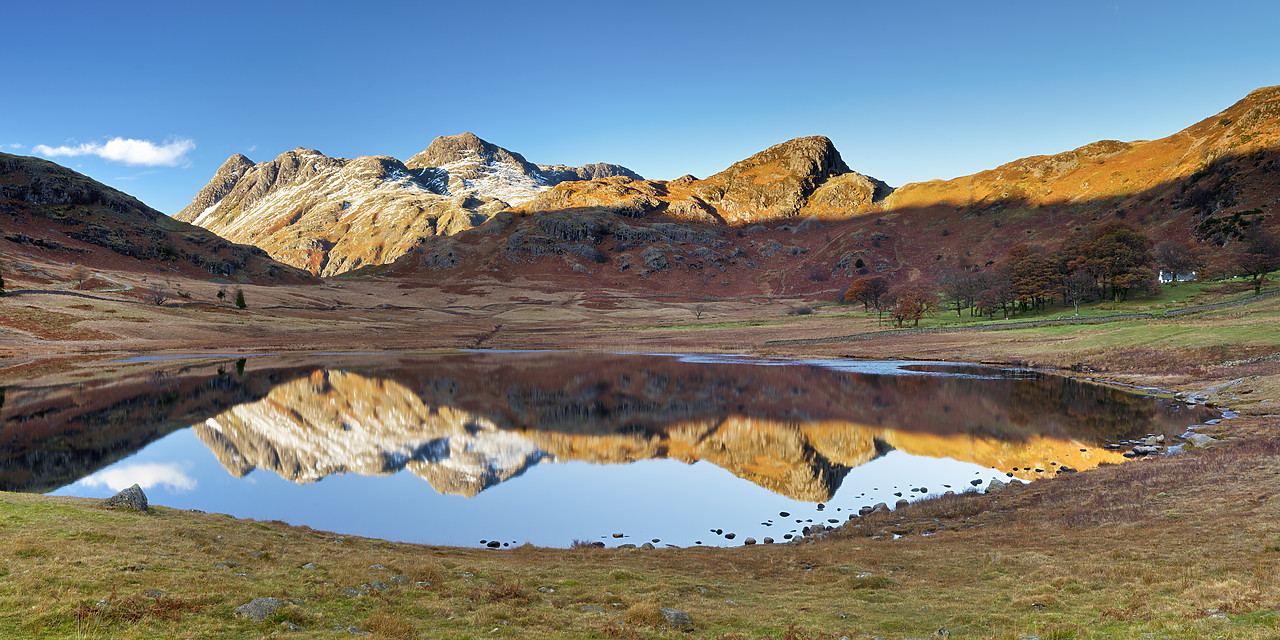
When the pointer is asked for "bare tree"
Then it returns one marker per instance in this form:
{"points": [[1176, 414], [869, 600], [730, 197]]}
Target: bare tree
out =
{"points": [[79, 274], [699, 310]]}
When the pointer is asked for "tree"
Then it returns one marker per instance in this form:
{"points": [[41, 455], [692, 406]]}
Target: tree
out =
{"points": [[911, 302], [157, 296], [1176, 258], [870, 291], [222, 294], [1031, 274], [240, 299], [960, 288], [1259, 256], [1118, 257], [79, 274]]}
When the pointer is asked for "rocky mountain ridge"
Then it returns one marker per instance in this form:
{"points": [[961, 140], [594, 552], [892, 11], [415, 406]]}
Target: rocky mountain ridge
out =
{"points": [[332, 215]]}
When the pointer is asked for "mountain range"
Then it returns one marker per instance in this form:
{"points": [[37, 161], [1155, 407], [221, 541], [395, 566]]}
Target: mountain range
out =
{"points": [[332, 215], [792, 219], [785, 220]]}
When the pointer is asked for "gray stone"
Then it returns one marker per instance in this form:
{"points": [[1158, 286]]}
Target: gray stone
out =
{"points": [[258, 609], [768, 540], [153, 594], [350, 592], [131, 498], [900, 504], [648, 546], [378, 585], [310, 565], [400, 580], [627, 546], [995, 486], [1197, 440], [356, 631], [377, 567], [289, 626], [749, 541], [591, 608], [1146, 450], [677, 619]]}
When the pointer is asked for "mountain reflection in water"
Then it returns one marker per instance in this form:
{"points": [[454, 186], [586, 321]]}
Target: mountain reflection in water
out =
{"points": [[466, 422]]}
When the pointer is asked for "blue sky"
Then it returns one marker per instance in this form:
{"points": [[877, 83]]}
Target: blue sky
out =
{"points": [[153, 97]]}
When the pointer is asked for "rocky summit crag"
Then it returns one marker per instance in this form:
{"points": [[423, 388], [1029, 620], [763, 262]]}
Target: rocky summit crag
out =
{"points": [[332, 215]]}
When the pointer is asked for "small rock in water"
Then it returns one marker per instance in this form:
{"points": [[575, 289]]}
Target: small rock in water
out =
{"points": [[975, 483], [784, 514], [655, 541], [131, 498], [494, 544], [730, 536], [617, 535]]}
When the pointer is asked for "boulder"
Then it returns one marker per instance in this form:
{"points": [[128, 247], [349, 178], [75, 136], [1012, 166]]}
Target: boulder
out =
{"points": [[258, 609], [677, 619], [131, 498], [1197, 440], [995, 486]]}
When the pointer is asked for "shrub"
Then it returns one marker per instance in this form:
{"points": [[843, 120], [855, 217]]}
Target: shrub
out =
{"points": [[240, 299]]}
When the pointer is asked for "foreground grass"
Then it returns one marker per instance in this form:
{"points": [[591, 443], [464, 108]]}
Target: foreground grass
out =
{"points": [[1186, 546]]}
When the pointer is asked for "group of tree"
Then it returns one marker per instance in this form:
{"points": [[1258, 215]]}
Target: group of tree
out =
{"points": [[1110, 262]]}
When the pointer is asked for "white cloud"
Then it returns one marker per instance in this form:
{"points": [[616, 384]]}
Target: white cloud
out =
{"points": [[252, 148], [15, 146], [146, 475], [127, 150]]}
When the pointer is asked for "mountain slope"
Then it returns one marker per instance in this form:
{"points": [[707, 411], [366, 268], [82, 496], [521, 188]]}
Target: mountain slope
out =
{"points": [[332, 215], [51, 213]]}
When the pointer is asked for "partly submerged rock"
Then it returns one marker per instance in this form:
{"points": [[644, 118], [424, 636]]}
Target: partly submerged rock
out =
{"points": [[131, 498], [1197, 440]]}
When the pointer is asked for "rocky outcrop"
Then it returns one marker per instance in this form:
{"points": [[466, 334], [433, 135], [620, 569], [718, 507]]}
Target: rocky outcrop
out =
{"points": [[775, 183]]}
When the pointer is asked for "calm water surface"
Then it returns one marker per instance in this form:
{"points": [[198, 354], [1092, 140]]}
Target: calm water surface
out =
{"points": [[549, 447]]}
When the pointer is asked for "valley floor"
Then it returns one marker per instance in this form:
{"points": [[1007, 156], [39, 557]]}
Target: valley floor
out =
{"points": [[1184, 546]]}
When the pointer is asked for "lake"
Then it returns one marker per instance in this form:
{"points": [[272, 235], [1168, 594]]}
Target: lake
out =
{"points": [[464, 448]]}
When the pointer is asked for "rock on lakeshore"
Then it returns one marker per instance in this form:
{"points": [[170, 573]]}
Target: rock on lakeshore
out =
{"points": [[131, 498]]}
